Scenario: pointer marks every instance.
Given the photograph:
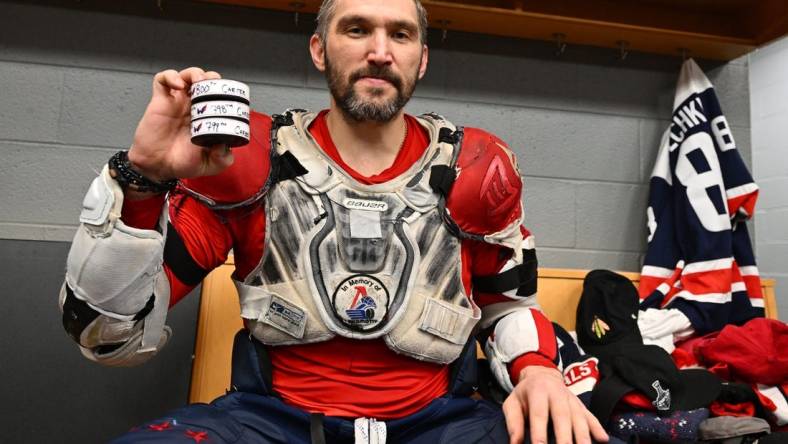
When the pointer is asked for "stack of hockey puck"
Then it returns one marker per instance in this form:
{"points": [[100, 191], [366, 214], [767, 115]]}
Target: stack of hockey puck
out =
{"points": [[220, 113]]}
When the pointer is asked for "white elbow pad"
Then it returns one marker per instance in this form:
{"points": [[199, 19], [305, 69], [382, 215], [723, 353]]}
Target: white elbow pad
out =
{"points": [[114, 273], [515, 334]]}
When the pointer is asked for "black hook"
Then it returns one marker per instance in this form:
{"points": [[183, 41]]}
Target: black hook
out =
{"points": [[560, 43]]}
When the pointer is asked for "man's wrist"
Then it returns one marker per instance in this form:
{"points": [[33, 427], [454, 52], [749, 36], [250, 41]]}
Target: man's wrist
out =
{"points": [[130, 179], [532, 370]]}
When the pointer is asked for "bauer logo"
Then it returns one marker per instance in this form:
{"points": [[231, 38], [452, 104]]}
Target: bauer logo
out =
{"points": [[368, 205]]}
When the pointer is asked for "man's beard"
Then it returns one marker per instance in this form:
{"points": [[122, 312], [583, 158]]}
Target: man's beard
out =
{"points": [[362, 110]]}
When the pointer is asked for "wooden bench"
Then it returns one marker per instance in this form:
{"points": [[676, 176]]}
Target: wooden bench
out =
{"points": [[219, 320]]}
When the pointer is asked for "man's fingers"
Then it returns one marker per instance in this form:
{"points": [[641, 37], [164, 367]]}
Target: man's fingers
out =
{"points": [[192, 74], [212, 75], [515, 419], [167, 80], [579, 422], [538, 411], [561, 414], [597, 431]]}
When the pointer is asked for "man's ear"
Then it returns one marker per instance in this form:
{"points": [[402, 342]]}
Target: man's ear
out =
{"points": [[424, 59], [318, 52]]}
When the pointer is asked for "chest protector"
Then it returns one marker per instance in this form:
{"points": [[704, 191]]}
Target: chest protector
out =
{"points": [[355, 260]]}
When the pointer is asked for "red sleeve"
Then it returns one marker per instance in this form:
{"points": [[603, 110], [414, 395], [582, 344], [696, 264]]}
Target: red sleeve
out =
{"points": [[143, 213]]}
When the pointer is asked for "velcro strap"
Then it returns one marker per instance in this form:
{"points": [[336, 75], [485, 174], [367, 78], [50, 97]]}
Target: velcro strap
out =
{"points": [[177, 257], [447, 321], [442, 178], [522, 277]]}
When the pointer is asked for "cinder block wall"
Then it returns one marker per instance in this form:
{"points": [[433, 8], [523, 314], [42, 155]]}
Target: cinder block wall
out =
{"points": [[74, 81], [769, 86]]}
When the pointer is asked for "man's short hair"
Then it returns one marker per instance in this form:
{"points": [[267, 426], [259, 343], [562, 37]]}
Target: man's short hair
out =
{"points": [[328, 8]]}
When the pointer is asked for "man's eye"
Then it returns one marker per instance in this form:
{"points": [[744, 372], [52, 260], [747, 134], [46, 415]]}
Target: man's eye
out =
{"points": [[355, 31], [401, 35]]}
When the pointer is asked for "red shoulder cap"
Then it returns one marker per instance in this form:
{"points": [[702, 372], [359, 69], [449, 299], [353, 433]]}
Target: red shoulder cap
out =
{"points": [[485, 197], [249, 171]]}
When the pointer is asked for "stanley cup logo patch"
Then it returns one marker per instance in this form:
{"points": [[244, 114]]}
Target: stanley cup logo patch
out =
{"points": [[662, 402]]}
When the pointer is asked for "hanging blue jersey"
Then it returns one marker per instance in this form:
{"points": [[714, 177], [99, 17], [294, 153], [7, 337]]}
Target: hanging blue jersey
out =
{"points": [[699, 258]]}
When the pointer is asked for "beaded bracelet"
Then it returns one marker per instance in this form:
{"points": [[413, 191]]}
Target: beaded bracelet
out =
{"points": [[122, 171]]}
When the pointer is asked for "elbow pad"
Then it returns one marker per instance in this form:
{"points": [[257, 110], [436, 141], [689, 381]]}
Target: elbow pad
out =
{"points": [[517, 334], [116, 294]]}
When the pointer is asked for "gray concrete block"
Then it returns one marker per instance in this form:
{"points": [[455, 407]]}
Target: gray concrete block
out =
{"points": [[272, 99], [772, 226], [256, 46], [45, 184], [651, 132], [492, 118], [38, 232], [31, 96], [742, 137], [768, 133], [527, 73], [611, 216], [768, 65], [588, 259], [733, 91], [770, 101], [248, 55], [773, 193], [59, 36], [102, 108], [772, 257], [550, 211], [770, 163], [577, 146]]}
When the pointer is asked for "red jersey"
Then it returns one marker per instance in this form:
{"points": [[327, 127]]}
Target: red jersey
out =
{"points": [[339, 377]]}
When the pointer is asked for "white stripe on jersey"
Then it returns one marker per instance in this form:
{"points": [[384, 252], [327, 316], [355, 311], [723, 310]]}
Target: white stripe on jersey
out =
{"points": [[741, 190], [716, 264], [529, 243], [738, 286], [756, 302], [651, 270], [714, 298], [749, 270]]}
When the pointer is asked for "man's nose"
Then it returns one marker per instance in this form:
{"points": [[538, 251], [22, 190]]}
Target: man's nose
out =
{"points": [[380, 48]]}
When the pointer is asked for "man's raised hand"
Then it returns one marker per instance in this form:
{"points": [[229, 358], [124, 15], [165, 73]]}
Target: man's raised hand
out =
{"points": [[162, 147]]}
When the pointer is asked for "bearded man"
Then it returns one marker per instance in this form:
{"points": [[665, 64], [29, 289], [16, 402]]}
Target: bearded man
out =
{"points": [[371, 247]]}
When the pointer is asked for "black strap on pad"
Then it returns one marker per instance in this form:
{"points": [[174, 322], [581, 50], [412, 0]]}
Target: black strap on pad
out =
{"points": [[442, 177]]}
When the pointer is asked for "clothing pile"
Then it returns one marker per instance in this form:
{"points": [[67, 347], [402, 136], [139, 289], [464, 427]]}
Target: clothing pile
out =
{"points": [[690, 357], [643, 393]]}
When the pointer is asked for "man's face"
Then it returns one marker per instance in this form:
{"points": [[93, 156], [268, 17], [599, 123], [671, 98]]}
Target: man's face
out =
{"points": [[372, 57]]}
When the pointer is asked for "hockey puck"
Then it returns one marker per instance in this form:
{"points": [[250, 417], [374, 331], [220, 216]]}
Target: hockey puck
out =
{"points": [[212, 131]]}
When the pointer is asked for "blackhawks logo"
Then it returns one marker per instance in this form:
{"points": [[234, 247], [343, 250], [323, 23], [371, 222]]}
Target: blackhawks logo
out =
{"points": [[599, 327], [361, 302]]}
